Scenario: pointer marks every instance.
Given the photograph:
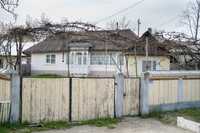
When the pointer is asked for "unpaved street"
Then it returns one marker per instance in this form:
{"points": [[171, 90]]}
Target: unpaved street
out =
{"points": [[128, 125]]}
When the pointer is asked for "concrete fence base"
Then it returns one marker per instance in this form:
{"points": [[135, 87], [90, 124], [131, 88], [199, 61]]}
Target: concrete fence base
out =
{"points": [[175, 106], [188, 124]]}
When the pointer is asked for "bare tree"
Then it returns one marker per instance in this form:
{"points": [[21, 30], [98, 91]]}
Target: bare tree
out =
{"points": [[191, 18], [186, 46], [122, 23], [9, 6]]}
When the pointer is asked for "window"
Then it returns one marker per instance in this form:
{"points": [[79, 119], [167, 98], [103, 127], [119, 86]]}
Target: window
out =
{"points": [[79, 57], [97, 59], [101, 59], [85, 59], [149, 66], [1, 63], [120, 60], [68, 58], [51, 59], [112, 59]]}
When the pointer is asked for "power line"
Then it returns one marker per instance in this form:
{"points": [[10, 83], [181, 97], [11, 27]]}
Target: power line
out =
{"points": [[168, 21], [121, 11]]}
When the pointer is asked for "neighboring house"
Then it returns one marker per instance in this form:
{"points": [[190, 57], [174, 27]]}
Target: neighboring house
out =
{"points": [[4, 61], [151, 57], [86, 55]]}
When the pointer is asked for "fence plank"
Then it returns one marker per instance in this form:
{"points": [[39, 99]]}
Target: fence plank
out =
{"points": [[45, 99], [165, 91], [131, 99], [92, 98], [4, 90], [4, 100]]}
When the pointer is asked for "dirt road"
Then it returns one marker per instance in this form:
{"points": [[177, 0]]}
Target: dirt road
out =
{"points": [[128, 125]]}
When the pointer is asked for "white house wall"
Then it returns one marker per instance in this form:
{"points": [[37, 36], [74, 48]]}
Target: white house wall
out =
{"points": [[39, 66]]}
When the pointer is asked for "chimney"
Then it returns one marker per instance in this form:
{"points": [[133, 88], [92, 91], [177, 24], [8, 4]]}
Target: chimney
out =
{"points": [[150, 30]]}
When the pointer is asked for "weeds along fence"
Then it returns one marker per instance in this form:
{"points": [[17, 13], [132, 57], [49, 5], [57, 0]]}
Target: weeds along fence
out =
{"points": [[75, 99]]}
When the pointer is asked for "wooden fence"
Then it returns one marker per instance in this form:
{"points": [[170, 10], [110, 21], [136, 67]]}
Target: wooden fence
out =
{"points": [[92, 98], [163, 92], [75, 99], [4, 100], [166, 91], [131, 96], [172, 90], [45, 99]]}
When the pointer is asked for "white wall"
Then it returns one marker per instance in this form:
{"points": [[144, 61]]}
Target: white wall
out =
{"points": [[38, 63]]}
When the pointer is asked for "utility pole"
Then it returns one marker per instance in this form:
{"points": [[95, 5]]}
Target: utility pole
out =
{"points": [[135, 48], [139, 23], [117, 26], [147, 47]]}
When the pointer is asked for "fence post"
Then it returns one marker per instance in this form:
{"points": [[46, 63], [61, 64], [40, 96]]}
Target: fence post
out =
{"points": [[144, 95], [119, 95], [180, 90], [15, 98]]}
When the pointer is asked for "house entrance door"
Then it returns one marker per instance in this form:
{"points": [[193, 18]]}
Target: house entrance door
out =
{"points": [[80, 63]]}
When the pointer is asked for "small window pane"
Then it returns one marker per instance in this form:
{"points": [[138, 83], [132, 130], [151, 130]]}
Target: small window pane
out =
{"points": [[146, 66], [112, 59], [48, 59], [85, 59], [79, 56], [53, 59], [154, 65], [71, 58], [120, 60], [67, 59], [107, 60]]}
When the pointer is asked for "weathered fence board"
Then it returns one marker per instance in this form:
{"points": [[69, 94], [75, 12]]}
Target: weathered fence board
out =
{"points": [[4, 90], [4, 100], [92, 98], [163, 92], [168, 91], [45, 99], [131, 98], [4, 111], [191, 90]]}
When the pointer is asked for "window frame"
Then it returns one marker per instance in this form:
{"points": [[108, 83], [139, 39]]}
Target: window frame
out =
{"points": [[153, 65], [50, 59]]}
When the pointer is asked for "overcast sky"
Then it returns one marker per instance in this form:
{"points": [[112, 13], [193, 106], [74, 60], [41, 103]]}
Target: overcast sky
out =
{"points": [[158, 14]]}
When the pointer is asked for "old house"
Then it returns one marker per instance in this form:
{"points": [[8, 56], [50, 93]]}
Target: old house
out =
{"points": [[89, 54]]}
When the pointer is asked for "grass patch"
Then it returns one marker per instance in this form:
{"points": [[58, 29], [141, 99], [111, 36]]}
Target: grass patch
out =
{"points": [[47, 76], [4, 130], [27, 128], [170, 117], [102, 122], [56, 125]]}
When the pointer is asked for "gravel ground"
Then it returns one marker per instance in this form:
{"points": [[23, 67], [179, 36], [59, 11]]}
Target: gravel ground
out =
{"points": [[128, 125]]}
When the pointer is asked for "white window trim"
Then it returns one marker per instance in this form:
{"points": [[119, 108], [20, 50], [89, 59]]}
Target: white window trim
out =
{"points": [[50, 63], [73, 56], [152, 60]]}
